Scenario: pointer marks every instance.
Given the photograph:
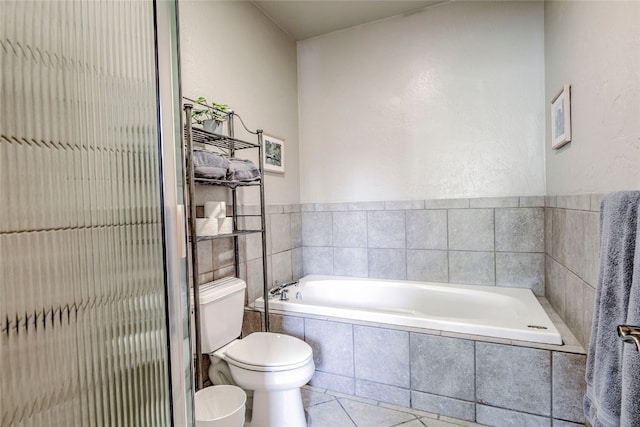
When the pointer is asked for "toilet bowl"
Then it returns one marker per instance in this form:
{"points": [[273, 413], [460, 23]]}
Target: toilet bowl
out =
{"points": [[272, 367]]}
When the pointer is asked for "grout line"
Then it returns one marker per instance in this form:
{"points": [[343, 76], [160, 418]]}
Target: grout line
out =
{"points": [[339, 397], [366, 219], [333, 246], [486, 252], [353, 356], [448, 252], [404, 423], [475, 381], [366, 237], [410, 374], [384, 405], [346, 412], [406, 250], [311, 405], [304, 334], [495, 268], [551, 383]]}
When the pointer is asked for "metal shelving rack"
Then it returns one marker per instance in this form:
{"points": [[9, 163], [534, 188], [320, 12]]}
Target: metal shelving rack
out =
{"points": [[229, 145]]}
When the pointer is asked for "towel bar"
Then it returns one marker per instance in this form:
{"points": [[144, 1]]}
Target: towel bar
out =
{"points": [[630, 333]]}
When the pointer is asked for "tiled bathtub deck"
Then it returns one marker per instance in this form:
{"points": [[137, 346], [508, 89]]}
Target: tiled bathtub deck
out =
{"points": [[330, 409]]}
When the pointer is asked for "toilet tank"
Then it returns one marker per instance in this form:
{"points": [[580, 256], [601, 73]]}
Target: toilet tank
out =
{"points": [[221, 312]]}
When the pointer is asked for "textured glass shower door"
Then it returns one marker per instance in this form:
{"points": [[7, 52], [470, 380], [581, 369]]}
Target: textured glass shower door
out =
{"points": [[83, 319]]}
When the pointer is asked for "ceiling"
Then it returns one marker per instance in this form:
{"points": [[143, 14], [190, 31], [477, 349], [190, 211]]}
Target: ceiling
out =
{"points": [[302, 19]]}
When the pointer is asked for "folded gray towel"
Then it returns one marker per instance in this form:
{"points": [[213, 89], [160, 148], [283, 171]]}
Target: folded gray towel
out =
{"points": [[209, 165], [604, 372], [242, 170], [630, 401]]}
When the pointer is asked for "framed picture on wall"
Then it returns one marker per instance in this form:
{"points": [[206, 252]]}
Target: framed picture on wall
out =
{"points": [[273, 154], [561, 118]]}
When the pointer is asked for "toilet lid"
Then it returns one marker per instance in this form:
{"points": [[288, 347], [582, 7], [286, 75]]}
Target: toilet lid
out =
{"points": [[265, 351]]}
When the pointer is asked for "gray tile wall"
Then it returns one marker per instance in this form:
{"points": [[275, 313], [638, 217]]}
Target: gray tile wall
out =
{"points": [[549, 245], [490, 383], [571, 259], [486, 241]]}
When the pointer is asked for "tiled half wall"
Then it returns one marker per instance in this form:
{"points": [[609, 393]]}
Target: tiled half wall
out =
{"points": [[484, 241], [571, 257], [548, 244]]}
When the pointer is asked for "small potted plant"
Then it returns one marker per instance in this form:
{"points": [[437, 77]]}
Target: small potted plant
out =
{"points": [[210, 116]]}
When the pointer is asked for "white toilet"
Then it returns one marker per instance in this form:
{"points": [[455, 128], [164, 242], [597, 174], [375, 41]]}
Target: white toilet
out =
{"points": [[273, 366]]}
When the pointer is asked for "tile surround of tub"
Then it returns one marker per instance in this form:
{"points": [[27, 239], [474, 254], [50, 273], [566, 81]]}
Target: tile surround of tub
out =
{"points": [[547, 244], [351, 262], [432, 240], [489, 381], [514, 378], [492, 416], [572, 225], [443, 366], [427, 229], [371, 346], [388, 263], [520, 230], [471, 229], [427, 265], [484, 241]]}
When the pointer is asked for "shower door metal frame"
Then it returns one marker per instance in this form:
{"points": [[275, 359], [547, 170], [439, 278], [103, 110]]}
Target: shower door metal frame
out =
{"points": [[170, 125]]}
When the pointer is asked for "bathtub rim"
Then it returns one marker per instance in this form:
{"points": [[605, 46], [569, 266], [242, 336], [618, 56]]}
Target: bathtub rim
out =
{"points": [[570, 343]]}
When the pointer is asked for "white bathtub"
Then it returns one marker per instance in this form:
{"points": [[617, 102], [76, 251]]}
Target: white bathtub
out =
{"points": [[499, 312]]}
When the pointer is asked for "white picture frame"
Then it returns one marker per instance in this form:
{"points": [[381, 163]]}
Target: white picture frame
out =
{"points": [[273, 154], [561, 118]]}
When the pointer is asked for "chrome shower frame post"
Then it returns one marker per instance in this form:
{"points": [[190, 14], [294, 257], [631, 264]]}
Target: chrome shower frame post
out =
{"points": [[265, 289], [234, 202], [194, 246]]}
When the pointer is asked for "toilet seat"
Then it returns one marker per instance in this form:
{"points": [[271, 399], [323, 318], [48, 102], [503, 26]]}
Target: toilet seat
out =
{"points": [[269, 352]]}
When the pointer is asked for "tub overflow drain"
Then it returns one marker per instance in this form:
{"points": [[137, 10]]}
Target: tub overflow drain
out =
{"points": [[536, 327]]}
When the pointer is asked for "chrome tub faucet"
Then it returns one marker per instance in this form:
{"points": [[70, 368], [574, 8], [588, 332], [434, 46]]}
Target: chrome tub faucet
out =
{"points": [[281, 290]]}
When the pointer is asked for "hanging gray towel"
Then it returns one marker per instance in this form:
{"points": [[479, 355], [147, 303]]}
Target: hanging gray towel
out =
{"points": [[607, 383], [209, 165], [630, 401]]}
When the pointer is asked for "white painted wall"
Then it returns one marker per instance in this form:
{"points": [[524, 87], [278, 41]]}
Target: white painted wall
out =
{"points": [[447, 102], [233, 54], [595, 46]]}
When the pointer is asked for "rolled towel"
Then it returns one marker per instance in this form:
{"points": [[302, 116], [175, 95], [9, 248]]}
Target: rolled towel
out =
{"points": [[206, 226], [215, 209], [225, 225], [242, 170], [605, 357], [209, 165]]}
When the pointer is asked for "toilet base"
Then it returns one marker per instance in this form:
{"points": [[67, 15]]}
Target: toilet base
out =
{"points": [[282, 408]]}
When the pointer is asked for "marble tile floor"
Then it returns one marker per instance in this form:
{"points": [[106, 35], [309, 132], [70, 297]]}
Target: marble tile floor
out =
{"points": [[330, 409]]}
